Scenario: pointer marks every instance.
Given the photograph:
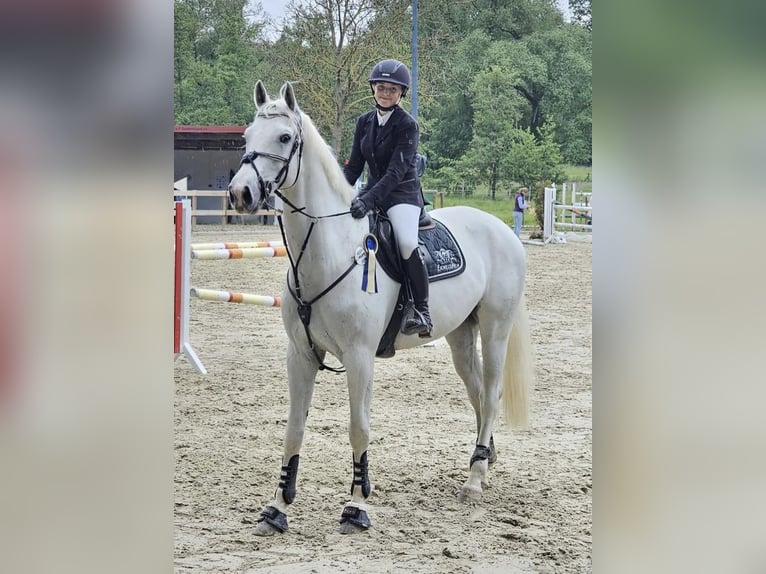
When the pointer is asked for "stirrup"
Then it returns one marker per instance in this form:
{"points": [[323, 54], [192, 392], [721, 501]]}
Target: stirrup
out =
{"points": [[418, 323]]}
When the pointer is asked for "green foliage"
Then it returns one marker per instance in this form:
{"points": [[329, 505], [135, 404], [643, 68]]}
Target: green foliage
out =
{"points": [[530, 161], [452, 115], [581, 12], [504, 85], [564, 89], [496, 109], [217, 60], [504, 20]]}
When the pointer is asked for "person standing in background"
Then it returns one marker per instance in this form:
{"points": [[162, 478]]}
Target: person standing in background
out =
{"points": [[520, 204]]}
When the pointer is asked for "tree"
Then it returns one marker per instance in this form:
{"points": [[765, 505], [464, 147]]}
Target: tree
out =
{"points": [[450, 116], [530, 160], [329, 49], [218, 56], [539, 66], [504, 20], [535, 163], [565, 88], [497, 109], [551, 67], [581, 13]]}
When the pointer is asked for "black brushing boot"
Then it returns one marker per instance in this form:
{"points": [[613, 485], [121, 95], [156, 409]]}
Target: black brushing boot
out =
{"points": [[419, 319]]}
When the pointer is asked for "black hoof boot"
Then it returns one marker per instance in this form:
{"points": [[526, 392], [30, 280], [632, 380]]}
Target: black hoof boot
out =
{"points": [[354, 519], [274, 518]]}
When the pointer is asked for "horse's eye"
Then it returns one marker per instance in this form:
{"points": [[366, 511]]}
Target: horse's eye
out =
{"points": [[285, 138]]}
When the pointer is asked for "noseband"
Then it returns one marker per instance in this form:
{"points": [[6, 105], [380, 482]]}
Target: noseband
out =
{"points": [[279, 180]]}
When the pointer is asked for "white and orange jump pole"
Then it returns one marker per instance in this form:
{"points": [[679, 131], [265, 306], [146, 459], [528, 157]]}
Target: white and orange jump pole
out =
{"points": [[185, 251]]}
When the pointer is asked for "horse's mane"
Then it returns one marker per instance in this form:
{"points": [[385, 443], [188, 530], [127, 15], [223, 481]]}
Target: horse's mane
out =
{"points": [[316, 143]]}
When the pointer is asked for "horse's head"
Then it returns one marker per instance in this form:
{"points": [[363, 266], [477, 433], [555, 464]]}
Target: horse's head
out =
{"points": [[273, 150]]}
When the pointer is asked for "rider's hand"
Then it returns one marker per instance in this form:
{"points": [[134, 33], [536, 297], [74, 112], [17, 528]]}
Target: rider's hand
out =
{"points": [[358, 208]]}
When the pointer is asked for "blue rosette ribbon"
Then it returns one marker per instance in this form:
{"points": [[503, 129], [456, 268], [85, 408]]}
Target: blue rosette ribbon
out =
{"points": [[369, 282]]}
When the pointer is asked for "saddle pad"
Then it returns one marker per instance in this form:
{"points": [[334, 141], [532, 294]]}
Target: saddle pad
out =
{"points": [[441, 252]]}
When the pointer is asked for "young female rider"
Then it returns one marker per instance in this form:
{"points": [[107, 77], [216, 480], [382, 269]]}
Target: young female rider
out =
{"points": [[386, 139]]}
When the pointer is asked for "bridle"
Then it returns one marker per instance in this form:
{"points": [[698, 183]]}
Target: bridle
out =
{"points": [[279, 180], [304, 307]]}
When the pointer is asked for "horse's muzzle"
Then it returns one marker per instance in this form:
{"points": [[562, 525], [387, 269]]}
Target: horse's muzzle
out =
{"points": [[241, 199]]}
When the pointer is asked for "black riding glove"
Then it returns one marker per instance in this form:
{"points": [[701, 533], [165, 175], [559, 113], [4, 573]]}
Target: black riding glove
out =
{"points": [[358, 208]]}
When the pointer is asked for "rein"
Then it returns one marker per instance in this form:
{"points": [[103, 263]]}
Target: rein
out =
{"points": [[304, 307]]}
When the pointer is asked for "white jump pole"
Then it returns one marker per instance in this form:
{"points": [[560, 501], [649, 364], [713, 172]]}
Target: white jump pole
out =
{"points": [[181, 288], [247, 253], [232, 297], [238, 245], [548, 213]]}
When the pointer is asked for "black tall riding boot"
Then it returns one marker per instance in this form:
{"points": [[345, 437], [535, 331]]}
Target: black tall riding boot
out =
{"points": [[419, 320]]}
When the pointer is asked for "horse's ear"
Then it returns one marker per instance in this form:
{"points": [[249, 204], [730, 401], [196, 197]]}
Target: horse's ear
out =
{"points": [[260, 96], [289, 96]]}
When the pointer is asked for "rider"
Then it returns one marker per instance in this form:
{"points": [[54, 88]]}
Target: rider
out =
{"points": [[387, 140]]}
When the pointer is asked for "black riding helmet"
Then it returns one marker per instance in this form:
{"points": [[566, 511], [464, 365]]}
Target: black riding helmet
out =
{"points": [[393, 72]]}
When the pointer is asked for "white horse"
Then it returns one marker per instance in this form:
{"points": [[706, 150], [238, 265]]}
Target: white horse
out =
{"points": [[325, 310]]}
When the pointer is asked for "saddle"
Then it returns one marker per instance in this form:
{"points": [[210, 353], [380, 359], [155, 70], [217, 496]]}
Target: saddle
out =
{"points": [[441, 253]]}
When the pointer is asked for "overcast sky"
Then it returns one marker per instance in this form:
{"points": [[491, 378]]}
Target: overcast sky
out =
{"points": [[276, 8]]}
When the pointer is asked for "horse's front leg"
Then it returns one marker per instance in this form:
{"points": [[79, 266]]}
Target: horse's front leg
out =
{"points": [[301, 373], [359, 372]]}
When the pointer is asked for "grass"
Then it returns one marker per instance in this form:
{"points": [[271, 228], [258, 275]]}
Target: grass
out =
{"points": [[500, 208], [579, 172]]}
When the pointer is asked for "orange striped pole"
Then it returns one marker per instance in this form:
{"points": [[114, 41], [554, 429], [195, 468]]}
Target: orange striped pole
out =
{"points": [[248, 253], [238, 245], [232, 297]]}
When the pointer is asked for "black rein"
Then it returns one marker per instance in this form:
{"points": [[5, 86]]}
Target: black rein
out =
{"points": [[304, 307]]}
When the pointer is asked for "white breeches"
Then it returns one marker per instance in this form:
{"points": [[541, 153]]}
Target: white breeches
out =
{"points": [[404, 219]]}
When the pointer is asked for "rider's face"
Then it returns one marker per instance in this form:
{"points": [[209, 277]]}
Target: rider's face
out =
{"points": [[387, 94]]}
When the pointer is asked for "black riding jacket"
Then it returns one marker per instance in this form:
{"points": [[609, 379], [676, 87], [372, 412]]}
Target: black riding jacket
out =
{"points": [[389, 152]]}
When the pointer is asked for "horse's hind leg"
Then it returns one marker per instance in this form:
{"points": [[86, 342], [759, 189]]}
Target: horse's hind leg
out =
{"points": [[302, 368], [468, 365], [495, 328]]}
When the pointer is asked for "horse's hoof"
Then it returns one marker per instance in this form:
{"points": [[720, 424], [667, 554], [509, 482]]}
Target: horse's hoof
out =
{"points": [[265, 529], [469, 493], [348, 528], [353, 520], [271, 521]]}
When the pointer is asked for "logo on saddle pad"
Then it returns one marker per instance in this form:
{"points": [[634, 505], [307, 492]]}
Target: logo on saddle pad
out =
{"points": [[445, 260], [441, 252]]}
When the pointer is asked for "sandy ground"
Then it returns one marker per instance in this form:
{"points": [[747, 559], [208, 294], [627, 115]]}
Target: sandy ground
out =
{"points": [[535, 517]]}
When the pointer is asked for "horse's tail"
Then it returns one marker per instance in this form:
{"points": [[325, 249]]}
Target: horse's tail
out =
{"points": [[518, 371]]}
